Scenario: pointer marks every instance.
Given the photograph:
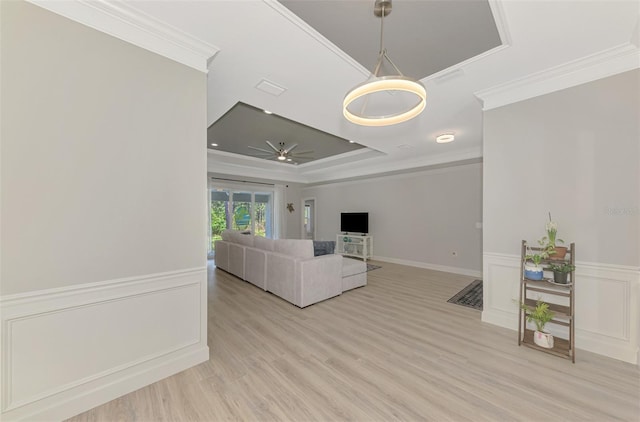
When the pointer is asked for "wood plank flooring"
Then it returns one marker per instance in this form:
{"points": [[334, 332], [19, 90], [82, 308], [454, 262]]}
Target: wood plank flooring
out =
{"points": [[392, 350]]}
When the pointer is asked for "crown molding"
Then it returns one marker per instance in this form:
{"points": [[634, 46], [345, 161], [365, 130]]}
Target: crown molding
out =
{"points": [[615, 60], [349, 158], [240, 165], [122, 21], [375, 167], [501, 21], [399, 174]]}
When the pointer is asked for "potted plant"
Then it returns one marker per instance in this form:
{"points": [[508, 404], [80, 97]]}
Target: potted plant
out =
{"points": [[540, 315], [549, 241], [560, 271], [532, 268]]}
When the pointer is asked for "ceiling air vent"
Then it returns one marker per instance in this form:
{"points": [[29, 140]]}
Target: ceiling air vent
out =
{"points": [[446, 77], [270, 87]]}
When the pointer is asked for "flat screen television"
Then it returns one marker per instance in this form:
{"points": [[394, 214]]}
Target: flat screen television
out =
{"points": [[354, 222]]}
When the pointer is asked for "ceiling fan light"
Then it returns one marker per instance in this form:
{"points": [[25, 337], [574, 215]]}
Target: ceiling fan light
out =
{"points": [[281, 157]]}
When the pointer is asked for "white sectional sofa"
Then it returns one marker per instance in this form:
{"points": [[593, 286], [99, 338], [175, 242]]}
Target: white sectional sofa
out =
{"points": [[287, 267]]}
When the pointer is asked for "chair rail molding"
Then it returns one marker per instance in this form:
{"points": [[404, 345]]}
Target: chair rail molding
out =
{"points": [[69, 349], [607, 298]]}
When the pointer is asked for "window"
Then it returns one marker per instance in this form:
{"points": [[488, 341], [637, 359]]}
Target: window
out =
{"points": [[307, 219], [244, 210]]}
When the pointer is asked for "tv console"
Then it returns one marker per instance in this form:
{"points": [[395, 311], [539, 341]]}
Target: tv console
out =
{"points": [[355, 245]]}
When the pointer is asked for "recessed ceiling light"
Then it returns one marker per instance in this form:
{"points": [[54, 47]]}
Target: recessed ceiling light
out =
{"points": [[268, 112], [214, 145], [289, 159], [352, 142], [444, 138]]}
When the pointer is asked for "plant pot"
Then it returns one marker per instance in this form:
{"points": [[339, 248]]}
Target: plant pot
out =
{"points": [[543, 339], [561, 251], [533, 271], [559, 277]]}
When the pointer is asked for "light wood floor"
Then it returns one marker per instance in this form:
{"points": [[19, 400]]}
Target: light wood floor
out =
{"points": [[393, 350]]}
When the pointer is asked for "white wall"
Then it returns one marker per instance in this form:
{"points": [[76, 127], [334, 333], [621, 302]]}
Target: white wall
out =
{"points": [[293, 220], [575, 153], [102, 206], [416, 218], [99, 156]]}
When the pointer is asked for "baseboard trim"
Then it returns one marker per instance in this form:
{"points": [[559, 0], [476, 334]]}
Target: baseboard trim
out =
{"points": [[501, 319], [128, 382], [48, 335], [429, 266]]}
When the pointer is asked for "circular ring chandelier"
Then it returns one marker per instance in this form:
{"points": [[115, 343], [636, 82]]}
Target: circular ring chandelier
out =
{"points": [[390, 84]]}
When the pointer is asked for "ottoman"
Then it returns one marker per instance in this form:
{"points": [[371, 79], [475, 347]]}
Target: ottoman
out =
{"points": [[354, 274]]}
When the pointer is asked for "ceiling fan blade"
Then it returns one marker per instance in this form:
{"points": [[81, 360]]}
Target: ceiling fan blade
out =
{"points": [[261, 149], [272, 147], [288, 150]]}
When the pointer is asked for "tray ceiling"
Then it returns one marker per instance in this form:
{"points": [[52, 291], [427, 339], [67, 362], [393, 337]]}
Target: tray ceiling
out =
{"points": [[421, 37], [299, 58], [244, 126]]}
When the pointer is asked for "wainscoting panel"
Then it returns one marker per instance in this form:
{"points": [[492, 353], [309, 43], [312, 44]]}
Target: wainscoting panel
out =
{"points": [[606, 304], [500, 291], [67, 350]]}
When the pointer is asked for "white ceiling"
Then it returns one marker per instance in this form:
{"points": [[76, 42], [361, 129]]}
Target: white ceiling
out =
{"points": [[546, 46]]}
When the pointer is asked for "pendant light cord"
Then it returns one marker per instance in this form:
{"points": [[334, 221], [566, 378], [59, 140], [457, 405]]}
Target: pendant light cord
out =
{"points": [[382, 31], [382, 54]]}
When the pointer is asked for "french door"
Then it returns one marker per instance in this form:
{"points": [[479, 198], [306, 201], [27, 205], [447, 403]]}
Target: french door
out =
{"points": [[244, 210]]}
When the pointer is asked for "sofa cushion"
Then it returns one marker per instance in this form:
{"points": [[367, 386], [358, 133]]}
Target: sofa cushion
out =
{"points": [[263, 243], [235, 236], [323, 247], [352, 266], [298, 248], [244, 239]]}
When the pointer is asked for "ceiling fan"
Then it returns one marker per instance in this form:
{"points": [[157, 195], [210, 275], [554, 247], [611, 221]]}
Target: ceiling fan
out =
{"points": [[282, 153]]}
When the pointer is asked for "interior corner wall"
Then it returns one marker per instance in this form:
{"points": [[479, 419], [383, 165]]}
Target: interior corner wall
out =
{"points": [[574, 153], [103, 163], [417, 219]]}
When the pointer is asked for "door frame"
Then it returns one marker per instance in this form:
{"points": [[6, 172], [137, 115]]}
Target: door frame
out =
{"points": [[303, 203]]}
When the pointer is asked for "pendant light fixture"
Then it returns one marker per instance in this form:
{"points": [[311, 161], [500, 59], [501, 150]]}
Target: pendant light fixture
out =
{"points": [[384, 100]]}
